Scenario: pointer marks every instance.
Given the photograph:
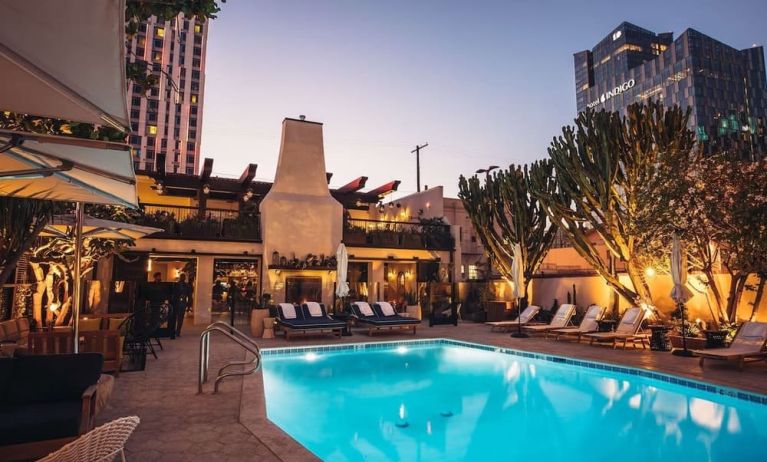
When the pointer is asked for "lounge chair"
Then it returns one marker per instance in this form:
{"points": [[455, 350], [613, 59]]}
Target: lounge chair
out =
{"points": [[588, 324], [748, 345], [526, 317], [308, 319], [381, 317], [627, 331], [561, 319]]}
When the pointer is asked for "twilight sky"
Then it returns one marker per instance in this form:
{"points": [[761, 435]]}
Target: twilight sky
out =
{"points": [[482, 82]]}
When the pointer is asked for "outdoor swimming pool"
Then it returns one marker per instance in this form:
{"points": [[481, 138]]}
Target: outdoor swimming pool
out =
{"points": [[443, 400]]}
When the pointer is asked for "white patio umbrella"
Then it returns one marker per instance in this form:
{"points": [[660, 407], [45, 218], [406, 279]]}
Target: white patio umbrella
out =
{"points": [[520, 285], [342, 265], [64, 59], [680, 293], [66, 169], [62, 226]]}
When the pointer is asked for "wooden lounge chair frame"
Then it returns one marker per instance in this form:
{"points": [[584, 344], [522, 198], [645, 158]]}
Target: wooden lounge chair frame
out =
{"points": [[740, 354], [578, 331], [544, 328], [615, 337], [505, 326]]}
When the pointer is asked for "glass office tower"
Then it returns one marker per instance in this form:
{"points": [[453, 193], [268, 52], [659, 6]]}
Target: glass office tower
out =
{"points": [[725, 87]]}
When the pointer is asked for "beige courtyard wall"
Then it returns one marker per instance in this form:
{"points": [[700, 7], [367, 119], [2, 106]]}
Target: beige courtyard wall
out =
{"points": [[593, 289]]}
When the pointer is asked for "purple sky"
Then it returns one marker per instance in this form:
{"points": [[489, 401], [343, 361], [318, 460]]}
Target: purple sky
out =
{"points": [[483, 84]]}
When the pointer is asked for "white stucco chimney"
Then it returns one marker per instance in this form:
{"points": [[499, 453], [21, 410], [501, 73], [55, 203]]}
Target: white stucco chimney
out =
{"points": [[298, 214]]}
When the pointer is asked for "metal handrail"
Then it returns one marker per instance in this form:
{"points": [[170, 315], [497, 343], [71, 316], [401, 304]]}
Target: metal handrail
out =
{"points": [[237, 337]]}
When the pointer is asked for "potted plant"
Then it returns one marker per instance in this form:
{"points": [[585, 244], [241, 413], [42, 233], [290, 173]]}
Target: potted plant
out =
{"points": [[258, 314], [695, 339], [354, 235]]}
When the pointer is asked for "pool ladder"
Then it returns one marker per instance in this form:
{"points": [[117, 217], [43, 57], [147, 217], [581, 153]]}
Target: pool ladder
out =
{"points": [[237, 337]]}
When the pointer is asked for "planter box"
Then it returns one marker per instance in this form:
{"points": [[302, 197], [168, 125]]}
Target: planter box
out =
{"points": [[693, 343]]}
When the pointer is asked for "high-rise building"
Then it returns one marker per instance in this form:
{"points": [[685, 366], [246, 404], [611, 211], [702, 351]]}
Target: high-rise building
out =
{"points": [[166, 122], [725, 87]]}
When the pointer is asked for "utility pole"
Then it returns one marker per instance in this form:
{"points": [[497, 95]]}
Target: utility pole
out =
{"points": [[417, 152]]}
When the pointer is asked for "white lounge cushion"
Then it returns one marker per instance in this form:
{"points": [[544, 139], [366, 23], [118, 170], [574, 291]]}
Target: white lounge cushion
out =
{"points": [[386, 309], [288, 310], [365, 308], [315, 310]]}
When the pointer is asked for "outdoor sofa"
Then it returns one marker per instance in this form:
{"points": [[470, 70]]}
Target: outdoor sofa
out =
{"points": [[381, 317], [308, 319], [46, 401]]}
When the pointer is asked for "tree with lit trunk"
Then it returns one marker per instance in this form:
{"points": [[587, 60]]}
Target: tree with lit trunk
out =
{"points": [[602, 168], [504, 213]]}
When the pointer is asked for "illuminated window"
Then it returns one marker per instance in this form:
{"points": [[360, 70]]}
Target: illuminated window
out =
{"points": [[160, 32], [473, 273], [627, 47], [151, 129], [197, 28], [194, 99], [157, 56]]}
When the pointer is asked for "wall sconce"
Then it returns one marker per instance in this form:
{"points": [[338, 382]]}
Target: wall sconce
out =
{"points": [[248, 194], [149, 265], [160, 187], [381, 208], [206, 189], [391, 205]]}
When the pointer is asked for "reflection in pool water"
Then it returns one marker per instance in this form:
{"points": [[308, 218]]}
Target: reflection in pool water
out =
{"points": [[450, 403]]}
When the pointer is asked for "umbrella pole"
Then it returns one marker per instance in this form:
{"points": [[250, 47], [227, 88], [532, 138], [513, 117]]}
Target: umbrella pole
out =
{"points": [[519, 333], [76, 283], [683, 351]]}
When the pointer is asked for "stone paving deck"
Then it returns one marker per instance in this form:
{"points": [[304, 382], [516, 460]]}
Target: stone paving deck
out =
{"points": [[178, 424]]}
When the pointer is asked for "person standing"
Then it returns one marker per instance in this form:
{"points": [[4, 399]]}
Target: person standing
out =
{"points": [[182, 293]]}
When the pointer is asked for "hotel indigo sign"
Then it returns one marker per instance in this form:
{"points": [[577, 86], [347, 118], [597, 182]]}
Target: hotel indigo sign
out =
{"points": [[615, 91]]}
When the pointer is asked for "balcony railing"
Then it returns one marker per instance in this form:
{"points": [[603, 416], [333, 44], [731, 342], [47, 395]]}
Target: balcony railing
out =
{"points": [[397, 235], [180, 222]]}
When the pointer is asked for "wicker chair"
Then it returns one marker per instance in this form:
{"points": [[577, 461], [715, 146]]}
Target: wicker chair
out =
{"points": [[102, 444]]}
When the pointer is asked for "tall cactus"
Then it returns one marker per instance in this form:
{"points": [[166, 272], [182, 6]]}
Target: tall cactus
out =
{"points": [[503, 213], [601, 172]]}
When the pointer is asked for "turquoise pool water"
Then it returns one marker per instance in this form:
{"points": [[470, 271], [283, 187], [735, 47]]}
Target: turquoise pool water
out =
{"points": [[447, 402]]}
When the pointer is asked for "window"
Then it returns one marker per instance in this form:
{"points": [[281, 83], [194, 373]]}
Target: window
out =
{"points": [[193, 110], [192, 135], [136, 101], [189, 159], [473, 273], [134, 114], [157, 43], [164, 143], [190, 170], [149, 154], [159, 32], [149, 167], [196, 75], [190, 146], [157, 56], [135, 140], [194, 99], [197, 28], [136, 166]]}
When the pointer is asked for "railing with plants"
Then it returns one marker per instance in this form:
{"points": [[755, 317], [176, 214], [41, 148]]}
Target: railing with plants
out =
{"points": [[191, 223], [430, 234]]}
